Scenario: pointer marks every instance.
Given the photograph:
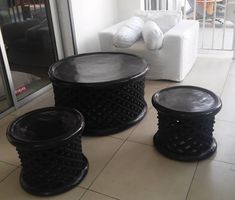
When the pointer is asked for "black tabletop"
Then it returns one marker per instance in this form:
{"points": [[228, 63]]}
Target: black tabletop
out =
{"points": [[98, 68], [43, 127], [187, 99]]}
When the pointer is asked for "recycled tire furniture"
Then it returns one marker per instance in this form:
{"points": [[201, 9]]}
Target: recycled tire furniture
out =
{"points": [[107, 88], [185, 122], [48, 142]]}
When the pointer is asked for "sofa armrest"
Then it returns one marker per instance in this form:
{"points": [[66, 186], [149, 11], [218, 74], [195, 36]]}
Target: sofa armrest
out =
{"points": [[181, 43], [184, 28], [106, 36]]}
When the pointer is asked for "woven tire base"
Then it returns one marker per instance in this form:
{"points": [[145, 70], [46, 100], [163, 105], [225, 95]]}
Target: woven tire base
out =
{"points": [[106, 110]]}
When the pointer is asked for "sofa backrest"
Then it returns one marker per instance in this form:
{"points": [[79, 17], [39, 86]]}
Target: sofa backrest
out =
{"points": [[165, 19]]}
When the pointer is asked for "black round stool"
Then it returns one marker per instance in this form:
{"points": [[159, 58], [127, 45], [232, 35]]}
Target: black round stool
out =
{"points": [[185, 122], [107, 88], [48, 142]]}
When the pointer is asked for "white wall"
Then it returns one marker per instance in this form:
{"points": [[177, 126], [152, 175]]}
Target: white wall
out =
{"points": [[91, 16], [127, 8]]}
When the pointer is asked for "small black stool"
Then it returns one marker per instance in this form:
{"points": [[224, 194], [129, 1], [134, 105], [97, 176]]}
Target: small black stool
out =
{"points": [[185, 122], [48, 142], [107, 88]]}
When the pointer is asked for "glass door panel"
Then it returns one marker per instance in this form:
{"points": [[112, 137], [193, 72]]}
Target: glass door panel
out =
{"points": [[5, 97], [29, 43]]}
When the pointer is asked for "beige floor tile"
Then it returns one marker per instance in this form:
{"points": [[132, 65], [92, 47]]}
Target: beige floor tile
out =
{"points": [[89, 195], [98, 150], [228, 109], [5, 170], [213, 180], [124, 134], [10, 189], [209, 72], [225, 137], [6, 120], [146, 129], [138, 172], [153, 86], [7, 151], [232, 69], [45, 100]]}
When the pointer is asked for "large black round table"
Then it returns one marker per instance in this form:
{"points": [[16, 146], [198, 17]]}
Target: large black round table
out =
{"points": [[185, 122], [107, 88]]}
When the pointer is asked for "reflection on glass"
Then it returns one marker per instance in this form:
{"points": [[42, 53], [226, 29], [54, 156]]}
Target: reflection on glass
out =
{"points": [[28, 43], [5, 101]]}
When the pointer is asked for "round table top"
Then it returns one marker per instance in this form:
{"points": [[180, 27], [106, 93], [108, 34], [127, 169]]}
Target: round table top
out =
{"points": [[45, 127], [98, 68], [186, 100]]}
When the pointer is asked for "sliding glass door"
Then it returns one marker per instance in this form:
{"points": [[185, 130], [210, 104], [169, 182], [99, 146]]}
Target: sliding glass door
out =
{"points": [[33, 35], [28, 36], [5, 96]]}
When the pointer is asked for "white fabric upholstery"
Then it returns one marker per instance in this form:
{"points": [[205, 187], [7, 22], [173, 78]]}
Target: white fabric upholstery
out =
{"points": [[164, 19], [129, 33], [173, 61], [152, 35]]}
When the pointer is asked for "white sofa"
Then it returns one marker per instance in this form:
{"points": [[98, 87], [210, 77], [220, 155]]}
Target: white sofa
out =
{"points": [[173, 61]]}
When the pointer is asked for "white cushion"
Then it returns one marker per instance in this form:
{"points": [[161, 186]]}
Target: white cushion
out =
{"points": [[165, 19], [152, 35], [128, 34]]}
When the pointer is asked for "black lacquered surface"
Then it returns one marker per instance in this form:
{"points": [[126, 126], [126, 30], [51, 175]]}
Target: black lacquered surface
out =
{"points": [[186, 116], [45, 127], [186, 99], [107, 88], [98, 68], [48, 142]]}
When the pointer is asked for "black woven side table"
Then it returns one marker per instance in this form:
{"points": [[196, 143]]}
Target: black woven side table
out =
{"points": [[48, 142], [107, 88], [185, 122]]}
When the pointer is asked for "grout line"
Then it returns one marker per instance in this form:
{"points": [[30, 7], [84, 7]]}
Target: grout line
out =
{"points": [[103, 194], [83, 193], [133, 128], [115, 137], [131, 131], [137, 125], [136, 142], [13, 165], [224, 120], [80, 186], [9, 175], [220, 161], [191, 181], [107, 163], [222, 91], [124, 141]]}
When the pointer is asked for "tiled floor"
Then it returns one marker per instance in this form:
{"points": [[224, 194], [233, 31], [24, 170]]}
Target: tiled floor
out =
{"points": [[126, 166]]}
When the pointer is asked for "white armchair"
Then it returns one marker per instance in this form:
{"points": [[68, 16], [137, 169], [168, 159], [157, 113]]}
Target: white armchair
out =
{"points": [[173, 61]]}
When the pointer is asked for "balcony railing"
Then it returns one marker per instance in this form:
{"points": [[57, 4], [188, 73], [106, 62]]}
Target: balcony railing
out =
{"points": [[216, 33]]}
